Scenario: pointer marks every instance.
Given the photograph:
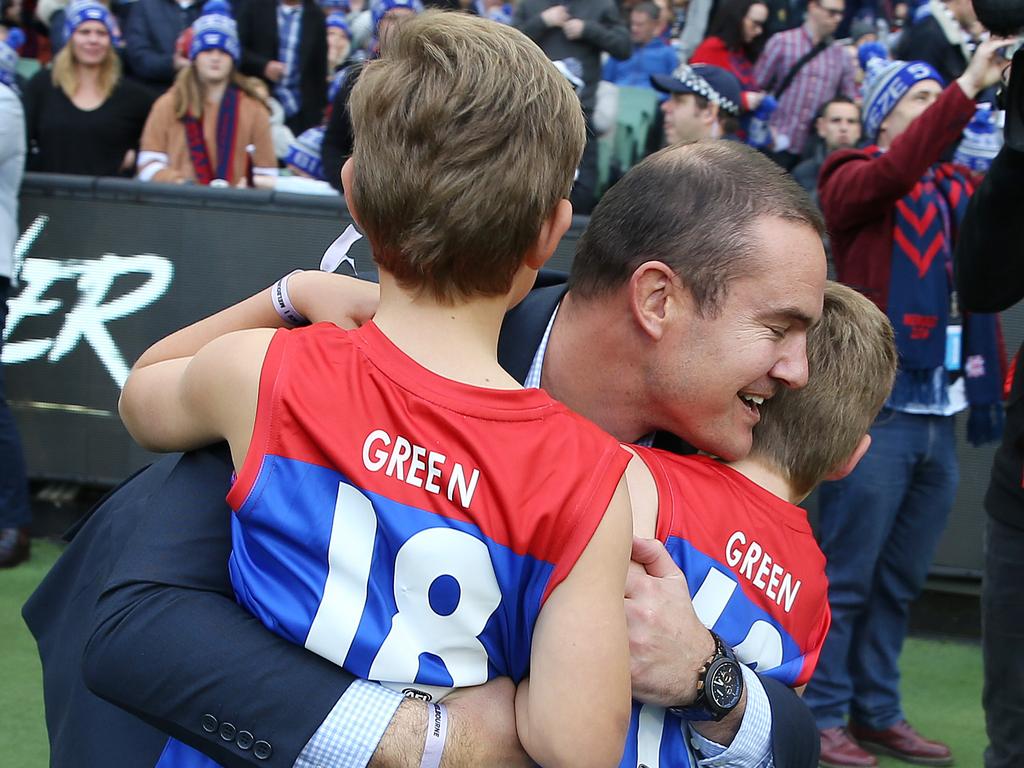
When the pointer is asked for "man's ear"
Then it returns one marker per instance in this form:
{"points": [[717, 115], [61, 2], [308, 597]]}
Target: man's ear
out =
{"points": [[347, 175], [551, 232], [848, 466], [819, 127], [710, 114], [654, 296]]}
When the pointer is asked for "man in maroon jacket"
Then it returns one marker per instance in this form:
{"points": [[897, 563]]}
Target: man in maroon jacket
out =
{"points": [[893, 211]]}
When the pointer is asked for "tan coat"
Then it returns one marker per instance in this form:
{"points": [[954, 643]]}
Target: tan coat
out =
{"points": [[164, 133]]}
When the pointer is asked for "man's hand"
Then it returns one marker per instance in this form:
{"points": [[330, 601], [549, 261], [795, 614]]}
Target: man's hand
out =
{"points": [[573, 29], [667, 643], [986, 66], [555, 16], [482, 727], [274, 71]]}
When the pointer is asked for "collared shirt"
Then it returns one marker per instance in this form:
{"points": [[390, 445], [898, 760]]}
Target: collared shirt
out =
{"points": [[289, 29], [349, 735], [828, 74]]}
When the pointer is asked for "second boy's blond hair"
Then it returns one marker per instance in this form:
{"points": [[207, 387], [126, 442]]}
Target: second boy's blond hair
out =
{"points": [[851, 355], [466, 137]]}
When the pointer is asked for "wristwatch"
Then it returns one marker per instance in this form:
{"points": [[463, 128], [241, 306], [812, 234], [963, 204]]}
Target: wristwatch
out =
{"points": [[719, 686]]}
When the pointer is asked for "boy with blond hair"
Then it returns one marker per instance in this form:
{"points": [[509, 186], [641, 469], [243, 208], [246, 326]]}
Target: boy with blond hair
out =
{"points": [[376, 520], [753, 567]]}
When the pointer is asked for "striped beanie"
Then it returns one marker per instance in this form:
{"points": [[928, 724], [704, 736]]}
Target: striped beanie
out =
{"points": [[215, 30], [81, 11], [887, 83]]}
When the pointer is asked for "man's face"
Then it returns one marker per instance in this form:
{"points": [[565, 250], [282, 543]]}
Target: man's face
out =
{"points": [[839, 127], [642, 27], [915, 101], [755, 343], [826, 14], [685, 120]]}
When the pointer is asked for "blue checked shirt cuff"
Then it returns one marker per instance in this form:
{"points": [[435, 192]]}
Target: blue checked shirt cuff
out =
{"points": [[349, 735], [752, 746]]}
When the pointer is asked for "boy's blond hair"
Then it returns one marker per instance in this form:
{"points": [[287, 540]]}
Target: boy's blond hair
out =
{"points": [[851, 355], [466, 137]]}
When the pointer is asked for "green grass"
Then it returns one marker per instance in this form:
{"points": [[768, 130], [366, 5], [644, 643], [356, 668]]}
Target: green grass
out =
{"points": [[941, 681]]}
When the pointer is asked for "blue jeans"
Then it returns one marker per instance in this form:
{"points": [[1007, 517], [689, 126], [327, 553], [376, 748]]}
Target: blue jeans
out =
{"points": [[879, 530], [14, 508]]}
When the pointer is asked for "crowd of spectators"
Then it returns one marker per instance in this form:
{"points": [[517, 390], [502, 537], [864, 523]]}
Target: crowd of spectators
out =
{"points": [[256, 95], [109, 67]]}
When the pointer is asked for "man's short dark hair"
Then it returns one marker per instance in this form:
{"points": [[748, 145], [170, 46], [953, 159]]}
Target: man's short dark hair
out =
{"points": [[649, 8], [693, 207], [836, 100]]}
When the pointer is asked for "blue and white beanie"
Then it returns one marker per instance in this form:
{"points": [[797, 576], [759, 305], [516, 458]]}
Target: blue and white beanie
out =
{"points": [[81, 11], [304, 152], [381, 8], [335, 6], [215, 30], [886, 83], [9, 57], [337, 21], [981, 142]]}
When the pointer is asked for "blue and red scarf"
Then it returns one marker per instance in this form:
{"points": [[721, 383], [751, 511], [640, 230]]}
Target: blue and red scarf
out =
{"points": [[227, 130], [920, 291]]}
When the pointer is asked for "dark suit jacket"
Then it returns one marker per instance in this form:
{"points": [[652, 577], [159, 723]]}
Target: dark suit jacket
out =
{"points": [[167, 641], [257, 33], [925, 41]]}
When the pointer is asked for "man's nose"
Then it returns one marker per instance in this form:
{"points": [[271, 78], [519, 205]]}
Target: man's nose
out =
{"points": [[791, 368]]}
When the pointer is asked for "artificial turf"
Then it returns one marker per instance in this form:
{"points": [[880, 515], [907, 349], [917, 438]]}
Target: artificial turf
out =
{"points": [[941, 681]]}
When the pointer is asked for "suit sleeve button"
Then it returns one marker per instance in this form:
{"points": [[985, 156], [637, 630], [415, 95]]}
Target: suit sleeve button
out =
{"points": [[227, 731], [262, 750], [209, 723], [244, 740]]}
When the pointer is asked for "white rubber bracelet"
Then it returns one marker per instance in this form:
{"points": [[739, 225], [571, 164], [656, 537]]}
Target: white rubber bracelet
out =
{"points": [[437, 732], [283, 304]]}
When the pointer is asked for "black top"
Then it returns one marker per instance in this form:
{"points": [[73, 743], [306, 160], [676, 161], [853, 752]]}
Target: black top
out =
{"points": [[990, 278], [65, 139]]}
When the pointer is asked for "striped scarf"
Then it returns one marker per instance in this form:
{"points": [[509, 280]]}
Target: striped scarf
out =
{"points": [[227, 130]]}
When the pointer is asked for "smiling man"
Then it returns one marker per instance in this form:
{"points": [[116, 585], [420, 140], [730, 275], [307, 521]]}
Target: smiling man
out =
{"points": [[688, 307]]}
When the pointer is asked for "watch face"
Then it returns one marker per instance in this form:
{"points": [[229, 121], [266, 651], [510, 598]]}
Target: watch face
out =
{"points": [[724, 684]]}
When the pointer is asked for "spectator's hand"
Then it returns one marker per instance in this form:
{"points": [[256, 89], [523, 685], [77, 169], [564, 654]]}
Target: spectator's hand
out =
{"points": [[274, 71], [573, 29], [128, 163], [753, 99], [667, 643], [483, 723], [555, 16], [986, 66]]}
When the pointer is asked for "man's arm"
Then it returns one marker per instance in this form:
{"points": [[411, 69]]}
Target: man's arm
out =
{"points": [[146, 58], [668, 645], [609, 33]]}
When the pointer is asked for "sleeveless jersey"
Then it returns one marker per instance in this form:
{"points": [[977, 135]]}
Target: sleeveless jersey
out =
{"points": [[756, 576], [403, 525]]}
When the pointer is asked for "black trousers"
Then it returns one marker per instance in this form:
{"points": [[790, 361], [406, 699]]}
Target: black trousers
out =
{"points": [[1002, 632]]}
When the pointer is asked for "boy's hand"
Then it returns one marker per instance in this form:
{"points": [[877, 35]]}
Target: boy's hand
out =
{"points": [[986, 66], [347, 302], [667, 642]]}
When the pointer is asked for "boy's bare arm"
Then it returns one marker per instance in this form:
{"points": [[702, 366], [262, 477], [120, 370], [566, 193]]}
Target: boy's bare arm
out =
{"points": [[575, 709], [319, 296]]}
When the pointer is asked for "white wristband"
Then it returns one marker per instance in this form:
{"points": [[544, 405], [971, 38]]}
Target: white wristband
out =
{"points": [[283, 304], [437, 732]]}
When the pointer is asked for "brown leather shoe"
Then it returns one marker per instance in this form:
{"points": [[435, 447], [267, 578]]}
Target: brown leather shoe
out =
{"points": [[904, 743], [14, 546], [839, 750]]}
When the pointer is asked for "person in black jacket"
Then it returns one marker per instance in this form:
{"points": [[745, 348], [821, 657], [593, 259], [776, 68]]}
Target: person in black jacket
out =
{"points": [[939, 38], [284, 42], [990, 278], [150, 36]]}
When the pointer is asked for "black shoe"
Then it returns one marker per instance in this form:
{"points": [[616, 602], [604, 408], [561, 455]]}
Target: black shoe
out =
{"points": [[14, 546]]}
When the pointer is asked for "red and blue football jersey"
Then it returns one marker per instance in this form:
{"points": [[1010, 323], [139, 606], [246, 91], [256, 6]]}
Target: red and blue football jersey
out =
{"points": [[756, 576], [403, 525]]}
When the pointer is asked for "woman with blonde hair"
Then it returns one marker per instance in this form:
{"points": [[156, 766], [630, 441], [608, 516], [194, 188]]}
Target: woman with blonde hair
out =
{"points": [[81, 116], [211, 127]]}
